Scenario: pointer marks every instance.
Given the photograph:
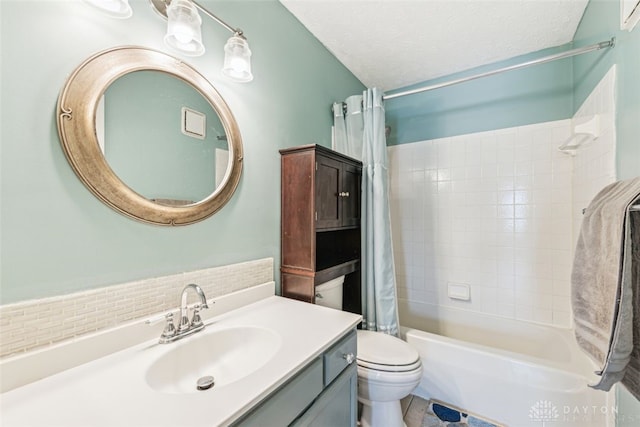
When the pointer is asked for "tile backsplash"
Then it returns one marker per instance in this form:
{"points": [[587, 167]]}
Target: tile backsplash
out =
{"points": [[33, 324]]}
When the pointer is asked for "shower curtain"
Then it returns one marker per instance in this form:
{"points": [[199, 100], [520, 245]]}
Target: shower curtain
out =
{"points": [[360, 133], [347, 127]]}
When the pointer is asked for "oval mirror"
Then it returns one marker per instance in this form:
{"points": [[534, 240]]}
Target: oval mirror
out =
{"points": [[149, 136]]}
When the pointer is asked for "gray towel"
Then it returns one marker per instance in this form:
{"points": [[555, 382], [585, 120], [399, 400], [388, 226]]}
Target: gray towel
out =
{"points": [[631, 378], [603, 285]]}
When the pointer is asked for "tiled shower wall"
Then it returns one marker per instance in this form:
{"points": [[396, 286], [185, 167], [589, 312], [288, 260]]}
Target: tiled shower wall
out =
{"points": [[594, 164], [490, 210], [496, 211]]}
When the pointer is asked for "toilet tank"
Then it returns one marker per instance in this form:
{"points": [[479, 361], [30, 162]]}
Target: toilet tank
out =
{"points": [[329, 294]]}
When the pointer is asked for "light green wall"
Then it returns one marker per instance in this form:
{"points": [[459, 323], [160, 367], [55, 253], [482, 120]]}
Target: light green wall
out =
{"points": [[56, 237], [628, 409], [601, 21], [531, 95]]}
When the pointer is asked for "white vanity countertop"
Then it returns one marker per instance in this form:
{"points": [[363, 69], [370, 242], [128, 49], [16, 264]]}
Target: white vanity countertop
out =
{"points": [[112, 391]]}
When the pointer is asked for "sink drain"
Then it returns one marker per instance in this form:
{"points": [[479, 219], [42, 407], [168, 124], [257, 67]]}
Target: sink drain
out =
{"points": [[205, 383]]}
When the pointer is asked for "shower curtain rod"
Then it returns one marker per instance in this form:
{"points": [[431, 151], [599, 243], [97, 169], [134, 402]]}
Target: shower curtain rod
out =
{"points": [[544, 59]]}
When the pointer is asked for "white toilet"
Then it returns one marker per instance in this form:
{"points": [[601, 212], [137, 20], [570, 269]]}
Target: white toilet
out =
{"points": [[388, 368]]}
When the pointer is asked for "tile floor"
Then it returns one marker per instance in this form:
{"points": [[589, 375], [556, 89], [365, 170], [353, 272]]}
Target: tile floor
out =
{"points": [[419, 412]]}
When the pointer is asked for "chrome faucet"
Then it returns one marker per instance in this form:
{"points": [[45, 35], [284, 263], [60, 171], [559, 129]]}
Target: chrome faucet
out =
{"points": [[186, 326]]}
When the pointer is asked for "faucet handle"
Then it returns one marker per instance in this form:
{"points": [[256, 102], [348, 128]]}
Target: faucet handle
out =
{"points": [[169, 328], [184, 322], [196, 320]]}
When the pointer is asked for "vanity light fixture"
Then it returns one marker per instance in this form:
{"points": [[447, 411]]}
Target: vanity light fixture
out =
{"points": [[183, 28], [184, 36]]}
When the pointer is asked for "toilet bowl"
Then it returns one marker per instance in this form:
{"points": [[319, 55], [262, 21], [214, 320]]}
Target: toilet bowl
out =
{"points": [[388, 370]]}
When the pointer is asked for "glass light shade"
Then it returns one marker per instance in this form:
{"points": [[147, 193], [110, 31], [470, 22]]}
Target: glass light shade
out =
{"points": [[114, 8], [183, 28], [237, 60]]}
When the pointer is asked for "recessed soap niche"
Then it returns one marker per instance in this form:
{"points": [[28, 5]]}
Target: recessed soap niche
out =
{"points": [[459, 291]]}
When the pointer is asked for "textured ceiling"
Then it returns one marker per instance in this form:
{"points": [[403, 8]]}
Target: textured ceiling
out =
{"points": [[394, 43]]}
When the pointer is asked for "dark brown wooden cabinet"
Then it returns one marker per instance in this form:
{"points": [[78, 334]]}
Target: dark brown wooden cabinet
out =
{"points": [[320, 229], [337, 193]]}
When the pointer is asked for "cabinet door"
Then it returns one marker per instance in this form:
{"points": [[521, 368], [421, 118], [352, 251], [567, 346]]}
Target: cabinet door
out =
{"points": [[337, 406], [350, 190], [328, 184], [286, 404]]}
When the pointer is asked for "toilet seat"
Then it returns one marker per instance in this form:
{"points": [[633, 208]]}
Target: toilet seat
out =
{"points": [[389, 368], [386, 353]]}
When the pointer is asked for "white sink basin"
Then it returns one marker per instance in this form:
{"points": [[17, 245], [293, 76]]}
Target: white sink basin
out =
{"points": [[227, 354]]}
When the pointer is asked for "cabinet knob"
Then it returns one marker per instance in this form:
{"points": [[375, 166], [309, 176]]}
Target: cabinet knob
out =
{"points": [[349, 357], [343, 194]]}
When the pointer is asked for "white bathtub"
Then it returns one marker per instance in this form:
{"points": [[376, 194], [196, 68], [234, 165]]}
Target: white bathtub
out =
{"points": [[516, 373]]}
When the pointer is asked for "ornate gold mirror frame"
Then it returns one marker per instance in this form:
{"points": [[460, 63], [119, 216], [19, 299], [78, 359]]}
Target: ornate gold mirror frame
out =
{"points": [[76, 117]]}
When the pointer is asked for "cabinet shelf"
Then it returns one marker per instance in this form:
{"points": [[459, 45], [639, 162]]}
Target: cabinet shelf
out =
{"points": [[325, 274], [325, 230], [334, 271]]}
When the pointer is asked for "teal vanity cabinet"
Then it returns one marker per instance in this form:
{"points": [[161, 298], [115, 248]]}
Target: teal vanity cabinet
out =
{"points": [[322, 394]]}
